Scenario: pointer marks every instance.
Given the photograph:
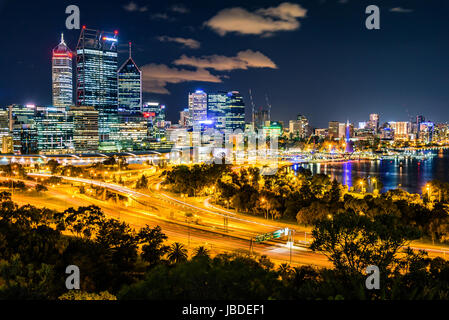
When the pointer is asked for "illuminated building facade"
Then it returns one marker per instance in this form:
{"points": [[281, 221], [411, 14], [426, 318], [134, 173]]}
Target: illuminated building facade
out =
{"points": [[401, 129], [373, 122], [274, 129], [133, 131], [85, 129], [4, 124], [184, 118], [235, 112], [7, 144], [22, 126], [197, 107], [333, 129], [154, 112], [54, 128], [426, 130], [129, 86], [96, 78], [217, 107], [62, 83]]}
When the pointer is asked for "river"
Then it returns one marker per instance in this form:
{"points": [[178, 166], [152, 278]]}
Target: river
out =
{"points": [[410, 175]]}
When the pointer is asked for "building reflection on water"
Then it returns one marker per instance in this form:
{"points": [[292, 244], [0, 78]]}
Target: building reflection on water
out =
{"points": [[410, 175]]}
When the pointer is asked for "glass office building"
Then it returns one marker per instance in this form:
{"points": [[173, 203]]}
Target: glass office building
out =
{"points": [[85, 129], [54, 127], [62, 84], [96, 78], [154, 112], [198, 107], [22, 126], [235, 112], [217, 108], [129, 86]]}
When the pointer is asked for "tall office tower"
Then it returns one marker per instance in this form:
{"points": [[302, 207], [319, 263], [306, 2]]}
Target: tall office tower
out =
{"points": [[303, 126], [154, 112], [85, 129], [22, 125], [374, 121], [198, 107], [54, 128], [341, 130], [294, 128], [4, 123], [426, 131], [96, 78], [235, 112], [61, 75], [419, 119], [217, 108], [129, 86], [333, 129], [184, 118]]}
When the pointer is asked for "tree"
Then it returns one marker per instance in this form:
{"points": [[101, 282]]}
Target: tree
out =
{"points": [[82, 295], [177, 253], [153, 248], [142, 183], [83, 222], [110, 161], [201, 252], [53, 166], [40, 188], [352, 241]]}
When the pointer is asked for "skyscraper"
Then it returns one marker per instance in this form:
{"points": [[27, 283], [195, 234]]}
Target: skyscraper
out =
{"points": [[54, 128], [22, 125], [154, 113], [96, 78], [184, 118], [235, 112], [197, 107], [216, 109], [333, 129], [374, 122], [129, 86], [62, 85], [85, 129]]}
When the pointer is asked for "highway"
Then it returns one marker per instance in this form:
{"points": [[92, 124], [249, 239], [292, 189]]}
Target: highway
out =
{"points": [[205, 226]]}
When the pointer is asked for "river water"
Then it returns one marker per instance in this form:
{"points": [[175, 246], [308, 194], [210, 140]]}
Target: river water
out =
{"points": [[410, 175]]}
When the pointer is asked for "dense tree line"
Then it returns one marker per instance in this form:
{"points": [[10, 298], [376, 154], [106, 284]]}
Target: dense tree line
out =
{"points": [[116, 261], [308, 198]]}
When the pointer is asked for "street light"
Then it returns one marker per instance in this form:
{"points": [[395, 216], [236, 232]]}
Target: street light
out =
{"points": [[266, 206], [361, 186], [428, 188]]}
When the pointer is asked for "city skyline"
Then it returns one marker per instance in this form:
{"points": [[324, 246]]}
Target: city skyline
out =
{"points": [[381, 74]]}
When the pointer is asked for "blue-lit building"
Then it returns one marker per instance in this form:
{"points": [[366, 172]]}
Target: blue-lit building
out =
{"points": [[197, 107], [129, 86], [235, 112], [96, 78], [217, 108]]}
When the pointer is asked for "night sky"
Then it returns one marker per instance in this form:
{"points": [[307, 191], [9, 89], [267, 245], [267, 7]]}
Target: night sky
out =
{"points": [[311, 57]]}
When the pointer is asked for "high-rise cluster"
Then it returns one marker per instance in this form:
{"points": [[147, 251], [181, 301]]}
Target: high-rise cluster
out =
{"points": [[223, 110]]}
